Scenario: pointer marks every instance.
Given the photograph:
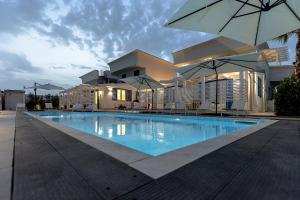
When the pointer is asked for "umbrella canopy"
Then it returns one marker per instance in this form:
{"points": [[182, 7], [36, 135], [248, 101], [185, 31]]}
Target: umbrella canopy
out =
{"points": [[142, 82], [221, 65], [47, 86], [249, 21]]}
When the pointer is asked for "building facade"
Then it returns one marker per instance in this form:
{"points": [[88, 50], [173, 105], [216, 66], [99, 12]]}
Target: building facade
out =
{"points": [[11, 98], [107, 91], [244, 89], [247, 89]]}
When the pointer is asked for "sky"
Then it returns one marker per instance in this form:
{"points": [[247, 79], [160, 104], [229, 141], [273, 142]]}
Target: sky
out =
{"points": [[56, 41]]}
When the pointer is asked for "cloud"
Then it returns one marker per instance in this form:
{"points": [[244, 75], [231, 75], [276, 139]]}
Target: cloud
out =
{"points": [[11, 63], [105, 29], [17, 15], [122, 26], [80, 66], [57, 67], [73, 66]]}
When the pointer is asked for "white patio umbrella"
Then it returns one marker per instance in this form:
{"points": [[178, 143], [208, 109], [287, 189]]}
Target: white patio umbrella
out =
{"points": [[143, 82], [221, 65], [249, 21], [47, 86]]}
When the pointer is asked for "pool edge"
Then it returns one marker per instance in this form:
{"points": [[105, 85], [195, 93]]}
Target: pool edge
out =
{"points": [[155, 166]]}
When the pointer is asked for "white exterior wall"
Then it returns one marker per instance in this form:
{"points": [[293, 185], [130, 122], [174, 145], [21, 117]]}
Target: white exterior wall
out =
{"points": [[259, 103], [106, 101], [1, 100], [12, 99], [84, 95]]}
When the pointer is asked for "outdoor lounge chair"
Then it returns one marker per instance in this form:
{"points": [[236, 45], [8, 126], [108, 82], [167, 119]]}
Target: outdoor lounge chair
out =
{"points": [[239, 106], [77, 107], [20, 107], [89, 108], [48, 106], [204, 107]]}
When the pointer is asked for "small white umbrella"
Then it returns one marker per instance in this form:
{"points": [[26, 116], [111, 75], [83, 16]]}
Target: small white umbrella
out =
{"points": [[249, 21], [221, 65], [143, 82], [47, 86]]}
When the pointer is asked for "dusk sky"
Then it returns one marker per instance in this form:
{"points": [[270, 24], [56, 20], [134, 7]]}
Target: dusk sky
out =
{"points": [[57, 41]]}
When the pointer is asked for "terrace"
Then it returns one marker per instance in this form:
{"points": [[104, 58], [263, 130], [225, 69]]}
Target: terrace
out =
{"points": [[50, 164]]}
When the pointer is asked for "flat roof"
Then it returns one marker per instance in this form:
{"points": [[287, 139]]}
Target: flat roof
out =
{"points": [[213, 48], [14, 91], [139, 51]]}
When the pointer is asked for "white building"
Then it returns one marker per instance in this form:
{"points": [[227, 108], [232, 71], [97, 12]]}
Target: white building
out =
{"points": [[104, 90], [12, 98], [251, 88]]}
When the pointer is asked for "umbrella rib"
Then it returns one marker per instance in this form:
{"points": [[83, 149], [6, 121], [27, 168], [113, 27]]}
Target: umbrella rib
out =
{"points": [[187, 15], [233, 16], [249, 4], [148, 84], [190, 69], [289, 7], [250, 13], [276, 3]]}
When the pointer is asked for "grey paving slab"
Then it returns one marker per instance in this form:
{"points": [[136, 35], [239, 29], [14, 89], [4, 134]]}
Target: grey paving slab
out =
{"points": [[52, 165], [7, 132], [6, 153], [264, 165], [5, 183]]}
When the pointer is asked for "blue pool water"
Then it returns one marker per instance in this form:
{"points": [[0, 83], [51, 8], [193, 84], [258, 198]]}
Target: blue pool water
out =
{"points": [[150, 134]]}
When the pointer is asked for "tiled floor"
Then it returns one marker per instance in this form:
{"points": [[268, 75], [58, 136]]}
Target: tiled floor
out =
{"points": [[52, 165], [7, 132]]}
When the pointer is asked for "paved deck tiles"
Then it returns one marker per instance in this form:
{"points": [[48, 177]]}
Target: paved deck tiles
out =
{"points": [[49, 164], [52, 165]]}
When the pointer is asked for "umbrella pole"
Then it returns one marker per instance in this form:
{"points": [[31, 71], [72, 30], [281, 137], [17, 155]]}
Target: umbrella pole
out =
{"points": [[217, 80], [152, 98], [217, 88], [35, 100]]}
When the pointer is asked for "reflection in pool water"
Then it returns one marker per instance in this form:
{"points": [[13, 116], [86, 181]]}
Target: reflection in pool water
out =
{"points": [[151, 134]]}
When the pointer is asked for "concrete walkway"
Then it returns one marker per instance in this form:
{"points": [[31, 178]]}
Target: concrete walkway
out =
{"points": [[51, 165], [7, 132], [263, 165]]}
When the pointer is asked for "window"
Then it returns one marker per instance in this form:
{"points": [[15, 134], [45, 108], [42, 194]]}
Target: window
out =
{"points": [[121, 95], [136, 73], [259, 87], [123, 75]]}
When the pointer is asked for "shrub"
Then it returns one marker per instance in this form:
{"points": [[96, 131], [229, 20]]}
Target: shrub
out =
{"points": [[287, 98]]}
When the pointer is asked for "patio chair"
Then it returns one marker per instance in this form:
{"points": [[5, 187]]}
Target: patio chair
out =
{"points": [[20, 107], [239, 106], [77, 107], [90, 108], [48, 106]]}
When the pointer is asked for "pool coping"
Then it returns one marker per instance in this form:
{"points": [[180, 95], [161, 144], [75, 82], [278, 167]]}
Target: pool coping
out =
{"points": [[156, 166]]}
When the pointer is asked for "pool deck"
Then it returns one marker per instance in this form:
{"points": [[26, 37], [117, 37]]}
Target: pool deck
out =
{"points": [[7, 134], [156, 166], [49, 164]]}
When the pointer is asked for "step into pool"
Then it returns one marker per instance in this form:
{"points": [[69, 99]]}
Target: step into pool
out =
{"points": [[147, 133]]}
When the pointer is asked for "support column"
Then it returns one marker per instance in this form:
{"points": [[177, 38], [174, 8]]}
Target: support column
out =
{"points": [[176, 94], [203, 90], [242, 85]]}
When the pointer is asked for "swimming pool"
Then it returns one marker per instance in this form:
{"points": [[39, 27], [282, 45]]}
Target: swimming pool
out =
{"points": [[150, 134]]}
